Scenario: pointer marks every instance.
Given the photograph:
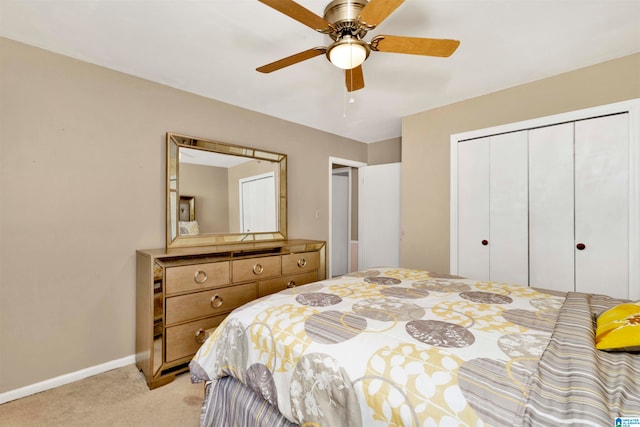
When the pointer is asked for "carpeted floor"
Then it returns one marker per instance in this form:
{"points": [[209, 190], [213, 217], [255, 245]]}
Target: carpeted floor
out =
{"points": [[115, 398]]}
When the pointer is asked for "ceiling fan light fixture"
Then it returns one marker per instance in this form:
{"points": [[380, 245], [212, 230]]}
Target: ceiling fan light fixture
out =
{"points": [[348, 53]]}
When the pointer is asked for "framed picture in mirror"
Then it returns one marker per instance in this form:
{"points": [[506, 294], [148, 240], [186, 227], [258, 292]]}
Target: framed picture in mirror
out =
{"points": [[187, 208]]}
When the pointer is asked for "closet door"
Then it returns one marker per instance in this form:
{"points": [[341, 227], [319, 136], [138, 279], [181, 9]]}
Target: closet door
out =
{"points": [[508, 234], [583, 202], [602, 205], [551, 237], [492, 208], [473, 208]]}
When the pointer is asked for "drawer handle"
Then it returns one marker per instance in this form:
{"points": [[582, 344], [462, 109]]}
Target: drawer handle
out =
{"points": [[291, 284], [302, 262], [581, 246], [258, 269], [216, 301], [200, 277], [485, 242], [201, 336]]}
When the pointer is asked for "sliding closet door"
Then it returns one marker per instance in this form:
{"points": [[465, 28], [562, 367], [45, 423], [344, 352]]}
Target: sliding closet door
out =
{"points": [[551, 240], [492, 208], [508, 209], [583, 202], [473, 208], [602, 205]]}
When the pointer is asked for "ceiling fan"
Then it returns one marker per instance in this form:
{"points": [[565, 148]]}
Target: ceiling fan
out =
{"points": [[347, 22]]}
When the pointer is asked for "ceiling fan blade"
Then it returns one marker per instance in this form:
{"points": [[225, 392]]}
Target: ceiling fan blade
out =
{"points": [[377, 11], [293, 59], [354, 79], [414, 45], [300, 14]]}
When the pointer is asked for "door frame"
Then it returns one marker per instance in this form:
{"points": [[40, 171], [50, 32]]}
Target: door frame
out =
{"points": [[351, 164]]}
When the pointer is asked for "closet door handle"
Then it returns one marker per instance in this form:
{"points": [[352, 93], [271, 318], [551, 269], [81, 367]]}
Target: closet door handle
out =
{"points": [[581, 246], [485, 242]]}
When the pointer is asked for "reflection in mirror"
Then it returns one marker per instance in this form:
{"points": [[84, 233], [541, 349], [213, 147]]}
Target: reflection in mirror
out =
{"points": [[240, 193], [187, 208]]}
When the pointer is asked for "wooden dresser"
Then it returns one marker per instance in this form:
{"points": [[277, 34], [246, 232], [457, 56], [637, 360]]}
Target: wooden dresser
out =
{"points": [[182, 294]]}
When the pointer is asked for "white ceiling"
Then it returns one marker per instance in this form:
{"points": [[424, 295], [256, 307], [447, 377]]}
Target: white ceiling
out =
{"points": [[212, 47], [209, 158]]}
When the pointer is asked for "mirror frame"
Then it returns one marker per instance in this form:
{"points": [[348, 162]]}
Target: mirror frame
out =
{"points": [[174, 142]]}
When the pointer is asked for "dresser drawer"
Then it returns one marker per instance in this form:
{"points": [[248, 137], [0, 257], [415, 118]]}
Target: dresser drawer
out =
{"points": [[207, 303], [299, 262], [184, 340], [270, 286], [196, 276], [256, 268]]}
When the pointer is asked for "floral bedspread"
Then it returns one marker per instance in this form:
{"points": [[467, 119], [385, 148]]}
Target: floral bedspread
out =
{"points": [[386, 346]]}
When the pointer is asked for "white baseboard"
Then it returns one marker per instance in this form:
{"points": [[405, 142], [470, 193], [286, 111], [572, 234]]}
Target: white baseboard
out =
{"points": [[66, 379]]}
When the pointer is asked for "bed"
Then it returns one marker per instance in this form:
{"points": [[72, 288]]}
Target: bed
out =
{"points": [[402, 347]]}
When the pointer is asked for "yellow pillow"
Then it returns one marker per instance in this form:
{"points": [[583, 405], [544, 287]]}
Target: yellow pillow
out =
{"points": [[618, 328]]}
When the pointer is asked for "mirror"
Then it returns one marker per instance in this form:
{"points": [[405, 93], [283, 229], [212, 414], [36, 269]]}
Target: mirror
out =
{"points": [[221, 193]]}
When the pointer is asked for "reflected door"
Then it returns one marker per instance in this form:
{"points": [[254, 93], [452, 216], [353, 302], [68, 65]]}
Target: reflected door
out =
{"points": [[258, 204]]}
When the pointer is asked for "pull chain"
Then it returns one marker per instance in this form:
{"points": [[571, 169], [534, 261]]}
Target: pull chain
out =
{"points": [[352, 100], [344, 103]]}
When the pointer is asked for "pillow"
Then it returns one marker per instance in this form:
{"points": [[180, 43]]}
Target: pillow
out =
{"points": [[618, 328], [188, 228]]}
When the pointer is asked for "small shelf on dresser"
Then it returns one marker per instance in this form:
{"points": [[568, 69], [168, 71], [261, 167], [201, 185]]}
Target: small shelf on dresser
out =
{"points": [[183, 294]]}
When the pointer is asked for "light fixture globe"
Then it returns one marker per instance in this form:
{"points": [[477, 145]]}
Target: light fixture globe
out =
{"points": [[348, 52]]}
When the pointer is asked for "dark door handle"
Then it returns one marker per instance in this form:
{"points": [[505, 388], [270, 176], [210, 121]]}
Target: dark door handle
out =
{"points": [[581, 246], [485, 242]]}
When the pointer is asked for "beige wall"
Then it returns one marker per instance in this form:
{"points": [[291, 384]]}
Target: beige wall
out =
{"points": [[82, 186], [425, 144], [209, 186], [383, 152]]}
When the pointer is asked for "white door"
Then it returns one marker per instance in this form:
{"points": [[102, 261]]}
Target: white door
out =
{"points": [[508, 209], [583, 195], [551, 207], [379, 216], [492, 208], [258, 204], [473, 208], [602, 205], [340, 218]]}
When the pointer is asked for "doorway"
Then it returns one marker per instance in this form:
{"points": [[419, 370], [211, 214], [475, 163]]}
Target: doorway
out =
{"points": [[372, 211], [343, 221]]}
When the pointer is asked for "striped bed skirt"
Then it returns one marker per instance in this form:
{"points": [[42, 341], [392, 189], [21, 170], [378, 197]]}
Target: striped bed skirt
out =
{"points": [[229, 403]]}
